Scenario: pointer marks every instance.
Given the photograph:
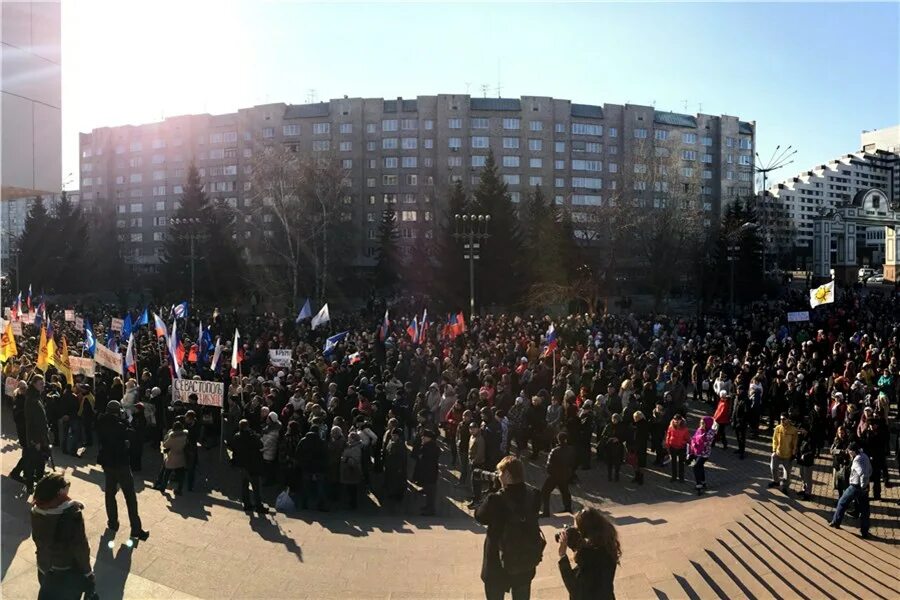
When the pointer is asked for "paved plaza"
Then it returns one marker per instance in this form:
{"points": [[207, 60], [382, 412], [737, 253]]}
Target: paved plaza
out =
{"points": [[738, 541]]}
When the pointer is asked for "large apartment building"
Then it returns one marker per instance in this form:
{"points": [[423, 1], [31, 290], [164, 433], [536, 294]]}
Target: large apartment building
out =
{"points": [[792, 205], [405, 153], [13, 213]]}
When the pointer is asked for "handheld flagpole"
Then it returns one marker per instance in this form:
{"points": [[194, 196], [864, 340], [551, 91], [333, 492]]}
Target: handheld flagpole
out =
{"points": [[554, 365]]}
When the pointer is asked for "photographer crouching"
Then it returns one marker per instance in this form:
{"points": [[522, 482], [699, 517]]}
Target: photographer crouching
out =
{"points": [[595, 543], [514, 544]]}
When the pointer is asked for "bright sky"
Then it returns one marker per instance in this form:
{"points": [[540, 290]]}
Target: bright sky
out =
{"points": [[811, 75]]}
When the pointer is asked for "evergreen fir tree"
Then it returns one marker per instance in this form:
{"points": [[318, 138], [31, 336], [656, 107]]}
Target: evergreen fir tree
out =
{"points": [[108, 269], [451, 283], [70, 231], [387, 267], [499, 275], [35, 248]]}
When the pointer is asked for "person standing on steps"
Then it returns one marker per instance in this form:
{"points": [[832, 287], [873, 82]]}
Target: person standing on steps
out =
{"points": [[597, 553], [637, 445], [115, 458], [560, 467], [677, 438], [860, 472], [246, 454], [700, 449], [784, 447], [37, 433]]}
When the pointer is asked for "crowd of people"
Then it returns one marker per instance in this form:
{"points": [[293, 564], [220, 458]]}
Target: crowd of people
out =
{"points": [[378, 410]]}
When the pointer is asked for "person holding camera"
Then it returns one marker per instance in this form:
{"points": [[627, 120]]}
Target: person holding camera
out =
{"points": [[63, 550], [595, 543], [114, 435], [560, 468], [514, 544]]}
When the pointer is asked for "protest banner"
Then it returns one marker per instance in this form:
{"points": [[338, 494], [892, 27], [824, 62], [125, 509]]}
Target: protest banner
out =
{"points": [[108, 358], [798, 316], [27, 318], [82, 365], [79, 324], [117, 324], [11, 383], [209, 393], [280, 357], [70, 315], [17, 328]]}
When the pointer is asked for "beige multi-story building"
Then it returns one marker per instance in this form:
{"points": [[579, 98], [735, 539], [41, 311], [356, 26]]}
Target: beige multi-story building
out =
{"points": [[404, 153], [30, 99], [792, 205]]}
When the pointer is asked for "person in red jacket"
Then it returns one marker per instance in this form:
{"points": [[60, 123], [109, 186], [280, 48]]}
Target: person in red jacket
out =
{"points": [[722, 417], [677, 437], [451, 426]]}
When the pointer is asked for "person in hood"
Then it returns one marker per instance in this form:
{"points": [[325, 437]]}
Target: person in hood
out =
{"points": [[114, 456], [700, 449], [62, 548]]}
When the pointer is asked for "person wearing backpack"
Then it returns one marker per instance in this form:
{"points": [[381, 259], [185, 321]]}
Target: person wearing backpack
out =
{"points": [[514, 544]]}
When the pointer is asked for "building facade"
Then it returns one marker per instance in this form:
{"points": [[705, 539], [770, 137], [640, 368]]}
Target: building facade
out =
{"points": [[792, 205], [30, 99], [403, 153]]}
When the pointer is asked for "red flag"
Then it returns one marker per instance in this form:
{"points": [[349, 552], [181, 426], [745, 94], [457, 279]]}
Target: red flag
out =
{"points": [[461, 323], [179, 353], [192, 355]]}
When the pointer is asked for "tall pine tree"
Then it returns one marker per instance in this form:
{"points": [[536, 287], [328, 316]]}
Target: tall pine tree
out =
{"points": [[388, 262], [499, 273], [451, 283], [70, 232], [35, 248], [217, 261]]}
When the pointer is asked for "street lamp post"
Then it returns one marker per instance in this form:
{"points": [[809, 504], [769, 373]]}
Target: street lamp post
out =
{"points": [[780, 158], [471, 229], [191, 223]]}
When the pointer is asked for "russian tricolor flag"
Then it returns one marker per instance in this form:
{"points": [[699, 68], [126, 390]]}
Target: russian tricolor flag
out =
{"points": [[413, 330], [549, 341]]}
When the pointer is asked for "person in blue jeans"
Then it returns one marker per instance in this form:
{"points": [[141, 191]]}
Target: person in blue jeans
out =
{"points": [[860, 472]]}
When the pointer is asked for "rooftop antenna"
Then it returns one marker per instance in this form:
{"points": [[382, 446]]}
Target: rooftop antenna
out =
{"points": [[685, 104], [310, 96], [484, 89], [498, 78], [467, 88], [699, 107], [653, 103]]}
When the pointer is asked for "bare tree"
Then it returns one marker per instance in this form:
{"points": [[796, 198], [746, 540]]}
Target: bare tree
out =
{"points": [[295, 203]]}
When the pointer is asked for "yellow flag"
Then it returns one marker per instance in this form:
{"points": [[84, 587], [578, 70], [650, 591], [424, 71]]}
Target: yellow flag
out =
{"points": [[41, 362], [8, 347], [51, 351], [62, 361]]}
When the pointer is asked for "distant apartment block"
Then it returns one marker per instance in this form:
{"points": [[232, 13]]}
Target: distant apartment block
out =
{"points": [[30, 98], [794, 203], [404, 153], [12, 222]]}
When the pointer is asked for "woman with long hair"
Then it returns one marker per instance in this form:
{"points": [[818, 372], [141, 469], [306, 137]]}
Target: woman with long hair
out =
{"points": [[700, 448], [597, 553]]}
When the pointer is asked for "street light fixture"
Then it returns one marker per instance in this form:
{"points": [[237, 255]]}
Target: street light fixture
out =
{"points": [[471, 229], [191, 223], [734, 246], [780, 158]]}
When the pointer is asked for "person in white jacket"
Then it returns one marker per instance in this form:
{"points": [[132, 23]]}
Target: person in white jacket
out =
{"points": [[270, 434]]}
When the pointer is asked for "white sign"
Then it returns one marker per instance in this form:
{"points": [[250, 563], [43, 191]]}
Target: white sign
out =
{"points": [[117, 324], [280, 357], [70, 315], [10, 386], [209, 393], [108, 358], [82, 365], [79, 324], [17, 328], [27, 317], [798, 316], [7, 312]]}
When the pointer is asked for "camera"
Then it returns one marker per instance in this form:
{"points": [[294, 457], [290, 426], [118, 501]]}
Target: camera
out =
{"points": [[573, 537], [482, 475]]}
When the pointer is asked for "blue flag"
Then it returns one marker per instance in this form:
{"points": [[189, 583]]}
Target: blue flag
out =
{"points": [[144, 320], [332, 342], [180, 311], [111, 340], [90, 342], [305, 312], [127, 327]]}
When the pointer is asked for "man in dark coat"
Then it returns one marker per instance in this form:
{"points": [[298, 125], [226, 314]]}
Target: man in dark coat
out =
{"points": [[37, 433], [18, 472], [560, 467], [311, 459], [246, 451], [426, 471], [115, 458], [515, 496]]}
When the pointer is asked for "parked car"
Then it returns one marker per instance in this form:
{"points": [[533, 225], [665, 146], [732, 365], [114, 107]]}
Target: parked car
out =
{"points": [[877, 277], [865, 273]]}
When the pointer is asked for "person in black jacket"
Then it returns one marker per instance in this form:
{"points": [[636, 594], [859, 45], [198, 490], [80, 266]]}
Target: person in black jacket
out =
{"points": [[18, 471], [246, 454], [637, 444], [37, 432], [115, 458], [560, 467], [515, 496], [191, 453], [740, 417], [426, 470], [597, 555], [311, 458]]}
